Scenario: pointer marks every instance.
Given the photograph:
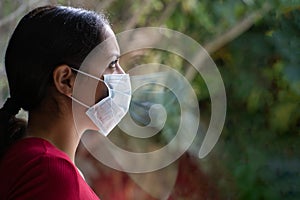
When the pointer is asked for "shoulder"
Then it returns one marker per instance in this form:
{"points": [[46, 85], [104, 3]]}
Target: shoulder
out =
{"points": [[60, 175], [35, 169], [47, 177]]}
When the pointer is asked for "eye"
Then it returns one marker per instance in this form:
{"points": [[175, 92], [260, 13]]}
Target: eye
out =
{"points": [[113, 64]]}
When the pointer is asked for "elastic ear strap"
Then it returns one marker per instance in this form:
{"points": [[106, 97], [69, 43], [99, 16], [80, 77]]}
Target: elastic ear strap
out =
{"points": [[89, 75], [80, 102]]}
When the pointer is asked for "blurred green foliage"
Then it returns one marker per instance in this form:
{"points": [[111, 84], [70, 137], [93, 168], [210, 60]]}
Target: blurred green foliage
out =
{"points": [[261, 136], [258, 154]]}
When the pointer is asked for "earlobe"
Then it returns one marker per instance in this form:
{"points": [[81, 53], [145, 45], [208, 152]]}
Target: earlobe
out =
{"points": [[63, 79]]}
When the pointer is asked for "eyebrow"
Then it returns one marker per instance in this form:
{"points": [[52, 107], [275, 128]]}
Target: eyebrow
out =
{"points": [[116, 55], [114, 58]]}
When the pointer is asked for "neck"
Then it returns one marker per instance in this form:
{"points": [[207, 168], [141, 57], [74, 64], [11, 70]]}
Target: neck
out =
{"points": [[55, 128]]}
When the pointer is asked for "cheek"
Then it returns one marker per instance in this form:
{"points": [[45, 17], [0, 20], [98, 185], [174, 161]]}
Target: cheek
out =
{"points": [[101, 92]]}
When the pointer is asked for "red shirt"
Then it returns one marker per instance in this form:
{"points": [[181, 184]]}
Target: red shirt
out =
{"points": [[35, 169]]}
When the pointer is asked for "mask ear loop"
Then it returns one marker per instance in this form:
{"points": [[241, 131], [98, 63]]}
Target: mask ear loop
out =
{"points": [[91, 76], [76, 100]]}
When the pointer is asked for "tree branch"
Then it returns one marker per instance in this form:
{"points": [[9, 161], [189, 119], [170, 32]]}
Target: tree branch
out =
{"points": [[103, 5], [17, 13], [133, 20], [14, 15], [228, 36], [168, 11]]}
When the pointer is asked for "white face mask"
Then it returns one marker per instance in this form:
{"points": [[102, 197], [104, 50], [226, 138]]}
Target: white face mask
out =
{"points": [[108, 112]]}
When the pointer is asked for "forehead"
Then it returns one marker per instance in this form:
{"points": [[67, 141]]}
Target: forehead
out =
{"points": [[110, 43], [103, 54]]}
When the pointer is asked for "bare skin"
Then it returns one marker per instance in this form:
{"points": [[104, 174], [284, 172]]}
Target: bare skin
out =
{"points": [[53, 120]]}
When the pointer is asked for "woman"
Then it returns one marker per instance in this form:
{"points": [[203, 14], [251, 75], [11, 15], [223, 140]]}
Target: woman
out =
{"points": [[42, 61]]}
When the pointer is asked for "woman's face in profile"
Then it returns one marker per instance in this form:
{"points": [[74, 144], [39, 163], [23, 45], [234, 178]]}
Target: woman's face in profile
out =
{"points": [[113, 66], [103, 60]]}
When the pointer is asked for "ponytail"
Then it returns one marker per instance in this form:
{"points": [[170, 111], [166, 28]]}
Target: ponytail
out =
{"points": [[11, 128]]}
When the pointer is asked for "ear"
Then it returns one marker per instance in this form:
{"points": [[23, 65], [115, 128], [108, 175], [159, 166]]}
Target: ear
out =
{"points": [[64, 79]]}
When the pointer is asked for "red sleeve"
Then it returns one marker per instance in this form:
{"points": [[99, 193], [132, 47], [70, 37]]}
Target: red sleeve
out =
{"points": [[52, 178]]}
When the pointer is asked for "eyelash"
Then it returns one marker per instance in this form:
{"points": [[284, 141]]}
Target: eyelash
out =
{"points": [[113, 63]]}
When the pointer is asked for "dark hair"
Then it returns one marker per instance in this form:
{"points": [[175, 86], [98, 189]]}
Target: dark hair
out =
{"points": [[44, 38]]}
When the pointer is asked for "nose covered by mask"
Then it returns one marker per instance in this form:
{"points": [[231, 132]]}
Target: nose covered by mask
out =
{"points": [[108, 112]]}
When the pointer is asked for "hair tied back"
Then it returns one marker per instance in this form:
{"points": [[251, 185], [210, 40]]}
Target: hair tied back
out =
{"points": [[11, 107]]}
